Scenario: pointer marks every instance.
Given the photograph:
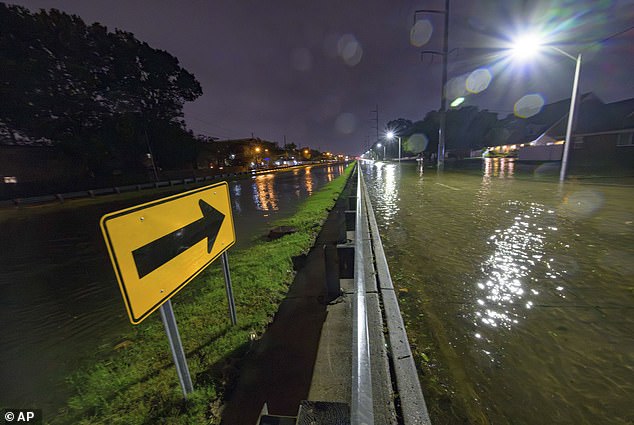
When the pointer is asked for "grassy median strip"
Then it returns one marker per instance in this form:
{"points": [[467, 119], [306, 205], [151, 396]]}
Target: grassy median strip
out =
{"points": [[136, 383]]}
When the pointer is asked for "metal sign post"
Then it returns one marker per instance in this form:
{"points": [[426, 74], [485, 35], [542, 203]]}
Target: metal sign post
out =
{"points": [[169, 321], [230, 299], [158, 247]]}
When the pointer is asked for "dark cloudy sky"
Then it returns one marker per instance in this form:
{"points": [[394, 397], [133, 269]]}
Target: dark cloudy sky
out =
{"points": [[313, 70]]}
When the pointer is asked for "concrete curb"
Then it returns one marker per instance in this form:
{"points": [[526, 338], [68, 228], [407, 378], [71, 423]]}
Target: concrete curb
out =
{"points": [[412, 402]]}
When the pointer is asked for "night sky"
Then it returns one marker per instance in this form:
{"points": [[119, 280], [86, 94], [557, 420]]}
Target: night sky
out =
{"points": [[314, 70]]}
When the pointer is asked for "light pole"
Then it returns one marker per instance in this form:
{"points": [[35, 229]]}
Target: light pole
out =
{"points": [[390, 136], [442, 127], [571, 117], [529, 45]]}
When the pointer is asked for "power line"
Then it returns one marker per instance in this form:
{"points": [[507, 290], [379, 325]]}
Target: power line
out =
{"points": [[218, 129], [616, 34]]}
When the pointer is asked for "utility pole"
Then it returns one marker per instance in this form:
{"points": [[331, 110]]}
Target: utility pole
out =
{"points": [[443, 92], [376, 122]]}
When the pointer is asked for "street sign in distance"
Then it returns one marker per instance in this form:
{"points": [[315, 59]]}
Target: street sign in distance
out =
{"points": [[158, 247]]}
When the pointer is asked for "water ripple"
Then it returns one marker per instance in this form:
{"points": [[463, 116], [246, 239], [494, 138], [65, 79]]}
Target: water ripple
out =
{"points": [[508, 282]]}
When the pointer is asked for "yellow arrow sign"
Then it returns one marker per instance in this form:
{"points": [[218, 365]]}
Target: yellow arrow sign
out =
{"points": [[158, 247]]}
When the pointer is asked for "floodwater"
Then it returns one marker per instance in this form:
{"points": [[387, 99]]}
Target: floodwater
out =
{"points": [[524, 286], [59, 300]]}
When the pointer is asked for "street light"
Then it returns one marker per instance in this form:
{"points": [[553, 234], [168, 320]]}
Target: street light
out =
{"points": [[527, 46], [378, 145], [390, 135]]}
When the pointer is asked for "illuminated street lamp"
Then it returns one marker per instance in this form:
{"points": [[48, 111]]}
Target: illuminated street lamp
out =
{"points": [[390, 135], [378, 145], [529, 45]]}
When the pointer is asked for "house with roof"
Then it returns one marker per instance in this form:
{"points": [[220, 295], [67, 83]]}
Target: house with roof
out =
{"points": [[516, 132], [602, 139]]}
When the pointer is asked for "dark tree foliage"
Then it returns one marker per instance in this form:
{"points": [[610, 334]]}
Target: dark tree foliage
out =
{"points": [[399, 125], [101, 95], [467, 128]]}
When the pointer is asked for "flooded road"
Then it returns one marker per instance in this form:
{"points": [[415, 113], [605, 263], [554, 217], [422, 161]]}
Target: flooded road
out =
{"points": [[518, 289], [60, 304]]}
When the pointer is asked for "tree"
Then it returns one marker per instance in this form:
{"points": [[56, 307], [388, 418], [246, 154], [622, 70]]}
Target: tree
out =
{"points": [[467, 128], [88, 88], [399, 126]]}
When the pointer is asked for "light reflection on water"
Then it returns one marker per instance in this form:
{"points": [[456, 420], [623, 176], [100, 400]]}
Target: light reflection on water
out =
{"points": [[308, 180], [498, 167], [385, 175], [506, 287], [60, 303], [265, 191], [264, 195], [525, 286]]}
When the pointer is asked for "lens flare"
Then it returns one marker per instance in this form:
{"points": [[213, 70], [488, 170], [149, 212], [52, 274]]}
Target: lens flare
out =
{"points": [[457, 102], [349, 50], [456, 87], [528, 105], [582, 204], [416, 143], [478, 80], [421, 33], [346, 123]]}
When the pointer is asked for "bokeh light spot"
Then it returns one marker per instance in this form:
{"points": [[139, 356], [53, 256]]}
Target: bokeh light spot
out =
{"points": [[421, 33], [528, 105], [416, 143], [478, 80], [349, 49], [346, 123], [301, 59], [582, 204], [456, 87]]}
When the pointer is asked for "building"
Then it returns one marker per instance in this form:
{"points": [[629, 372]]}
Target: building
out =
{"points": [[602, 140], [250, 152]]}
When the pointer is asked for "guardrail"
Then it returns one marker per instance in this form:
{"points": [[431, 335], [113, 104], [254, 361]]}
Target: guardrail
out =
{"points": [[372, 279], [362, 405], [92, 193]]}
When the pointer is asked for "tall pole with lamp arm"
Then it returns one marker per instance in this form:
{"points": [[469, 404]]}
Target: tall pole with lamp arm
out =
{"points": [[571, 120], [526, 46], [442, 127]]}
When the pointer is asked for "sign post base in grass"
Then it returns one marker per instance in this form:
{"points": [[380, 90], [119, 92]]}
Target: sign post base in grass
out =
{"points": [[230, 299], [169, 321]]}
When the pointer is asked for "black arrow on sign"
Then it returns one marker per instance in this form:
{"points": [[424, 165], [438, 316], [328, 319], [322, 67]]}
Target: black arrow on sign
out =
{"points": [[153, 255]]}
